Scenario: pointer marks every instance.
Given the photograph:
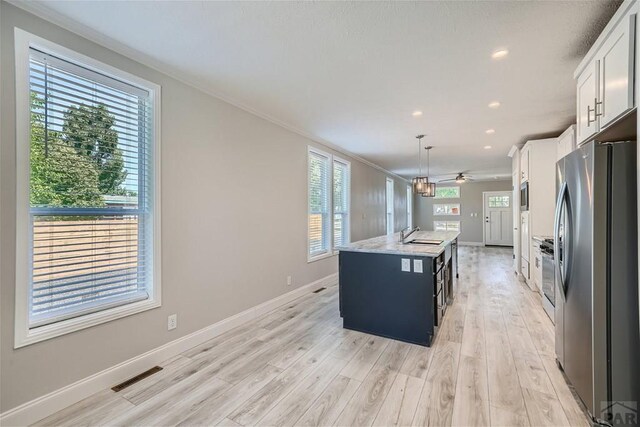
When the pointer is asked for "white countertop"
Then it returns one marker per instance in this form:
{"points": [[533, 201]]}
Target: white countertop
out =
{"points": [[390, 244]]}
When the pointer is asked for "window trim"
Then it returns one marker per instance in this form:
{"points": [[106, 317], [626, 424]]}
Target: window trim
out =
{"points": [[389, 223], [447, 214], [448, 198], [409, 206], [23, 335], [348, 221], [331, 251], [446, 221]]}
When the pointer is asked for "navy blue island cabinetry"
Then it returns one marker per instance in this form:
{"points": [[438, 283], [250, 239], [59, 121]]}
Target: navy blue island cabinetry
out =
{"points": [[398, 290]]}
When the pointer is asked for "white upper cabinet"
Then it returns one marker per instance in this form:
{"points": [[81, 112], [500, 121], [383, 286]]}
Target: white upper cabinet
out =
{"points": [[566, 142], [605, 77], [524, 165], [616, 72], [587, 97]]}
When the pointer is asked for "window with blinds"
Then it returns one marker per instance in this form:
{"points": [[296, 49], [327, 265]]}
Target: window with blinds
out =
{"points": [[319, 203], [389, 206], [341, 177], [90, 194], [329, 189]]}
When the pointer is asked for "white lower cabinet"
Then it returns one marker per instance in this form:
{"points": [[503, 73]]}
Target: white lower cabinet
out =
{"points": [[536, 264], [524, 269]]}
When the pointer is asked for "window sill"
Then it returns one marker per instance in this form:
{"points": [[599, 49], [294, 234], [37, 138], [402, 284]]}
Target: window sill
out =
{"points": [[320, 257], [31, 336]]}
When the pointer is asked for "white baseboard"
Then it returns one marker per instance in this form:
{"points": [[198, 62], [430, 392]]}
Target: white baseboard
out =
{"points": [[471, 243], [41, 407]]}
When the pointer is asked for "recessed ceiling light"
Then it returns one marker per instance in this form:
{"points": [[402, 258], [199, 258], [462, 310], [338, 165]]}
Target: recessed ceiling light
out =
{"points": [[490, 131], [487, 147], [416, 113], [499, 54], [494, 104]]}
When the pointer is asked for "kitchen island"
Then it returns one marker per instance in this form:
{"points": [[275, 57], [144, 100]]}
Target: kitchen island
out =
{"points": [[398, 290]]}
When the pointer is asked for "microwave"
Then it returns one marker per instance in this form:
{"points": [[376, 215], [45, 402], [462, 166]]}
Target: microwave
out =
{"points": [[524, 196]]}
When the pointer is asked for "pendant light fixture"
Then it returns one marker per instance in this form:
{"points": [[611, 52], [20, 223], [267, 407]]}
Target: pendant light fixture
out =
{"points": [[421, 184], [430, 190]]}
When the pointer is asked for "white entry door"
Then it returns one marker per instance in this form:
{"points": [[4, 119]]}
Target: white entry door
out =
{"points": [[498, 218]]}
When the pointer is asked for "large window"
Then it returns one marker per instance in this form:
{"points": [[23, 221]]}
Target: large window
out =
{"points": [[447, 192], [341, 190], [446, 225], [87, 194], [446, 209], [329, 199], [389, 204], [409, 206]]}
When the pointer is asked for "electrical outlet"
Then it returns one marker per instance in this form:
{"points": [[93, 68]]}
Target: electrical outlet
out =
{"points": [[406, 264], [288, 280], [417, 266], [172, 322]]}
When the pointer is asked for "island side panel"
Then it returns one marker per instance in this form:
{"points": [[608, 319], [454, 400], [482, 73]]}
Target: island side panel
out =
{"points": [[377, 297]]}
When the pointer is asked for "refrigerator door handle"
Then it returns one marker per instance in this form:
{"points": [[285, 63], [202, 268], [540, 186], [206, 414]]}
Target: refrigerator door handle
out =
{"points": [[558, 248]]}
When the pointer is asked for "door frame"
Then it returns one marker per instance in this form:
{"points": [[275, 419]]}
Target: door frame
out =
{"points": [[484, 213]]}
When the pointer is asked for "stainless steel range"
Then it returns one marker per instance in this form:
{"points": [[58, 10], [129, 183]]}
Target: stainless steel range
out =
{"points": [[548, 278]]}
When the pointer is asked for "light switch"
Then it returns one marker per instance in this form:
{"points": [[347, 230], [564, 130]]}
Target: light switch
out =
{"points": [[417, 266], [406, 264]]}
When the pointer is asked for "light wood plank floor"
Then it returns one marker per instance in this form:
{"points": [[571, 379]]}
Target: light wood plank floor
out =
{"points": [[492, 363]]}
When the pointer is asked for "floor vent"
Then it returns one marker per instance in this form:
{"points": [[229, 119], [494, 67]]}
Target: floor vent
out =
{"points": [[317, 291], [139, 377]]}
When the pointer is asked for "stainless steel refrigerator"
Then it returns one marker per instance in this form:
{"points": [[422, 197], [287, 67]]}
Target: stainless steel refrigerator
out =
{"points": [[596, 244]]}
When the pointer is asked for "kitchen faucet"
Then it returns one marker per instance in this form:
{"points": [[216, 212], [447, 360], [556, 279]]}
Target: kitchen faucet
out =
{"points": [[404, 236]]}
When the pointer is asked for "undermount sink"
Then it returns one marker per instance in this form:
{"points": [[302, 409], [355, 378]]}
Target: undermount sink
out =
{"points": [[424, 242]]}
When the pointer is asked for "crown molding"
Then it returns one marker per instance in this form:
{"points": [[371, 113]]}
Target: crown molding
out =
{"points": [[40, 10]]}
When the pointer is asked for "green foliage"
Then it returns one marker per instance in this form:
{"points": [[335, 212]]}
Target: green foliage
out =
{"points": [[447, 192], [77, 166], [90, 131], [59, 176]]}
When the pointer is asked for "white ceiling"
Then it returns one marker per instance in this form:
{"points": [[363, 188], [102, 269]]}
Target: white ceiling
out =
{"points": [[351, 73]]}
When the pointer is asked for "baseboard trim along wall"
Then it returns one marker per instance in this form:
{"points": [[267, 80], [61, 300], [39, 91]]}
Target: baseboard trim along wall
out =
{"points": [[37, 409], [471, 243]]}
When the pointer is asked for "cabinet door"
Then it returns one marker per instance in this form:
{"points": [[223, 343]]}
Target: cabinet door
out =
{"points": [[616, 72], [537, 267], [587, 93], [524, 229], [524, 165], [566, 144]]}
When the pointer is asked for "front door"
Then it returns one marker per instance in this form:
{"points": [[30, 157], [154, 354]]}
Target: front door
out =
{"points": [[498, 218]]}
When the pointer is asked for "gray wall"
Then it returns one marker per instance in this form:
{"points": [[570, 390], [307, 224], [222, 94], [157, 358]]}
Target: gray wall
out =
{"points": [[212, 225], [470, 203]]}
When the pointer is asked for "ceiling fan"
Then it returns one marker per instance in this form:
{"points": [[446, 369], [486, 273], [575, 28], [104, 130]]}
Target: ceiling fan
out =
{"points": [[459, 179]]}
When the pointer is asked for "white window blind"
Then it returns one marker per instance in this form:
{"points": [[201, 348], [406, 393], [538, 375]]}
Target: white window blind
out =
{"points": [[319, 203], [341, 185], [90, 191]]}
